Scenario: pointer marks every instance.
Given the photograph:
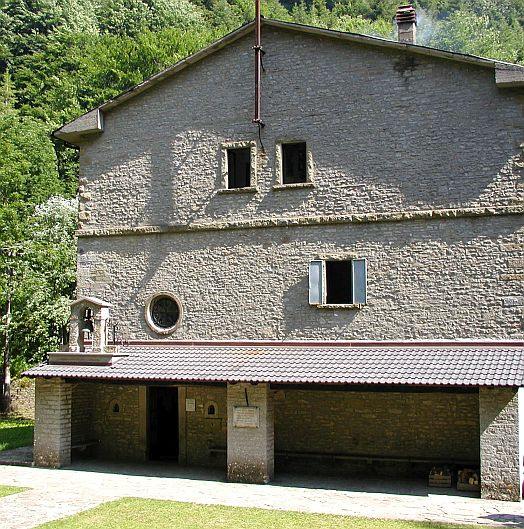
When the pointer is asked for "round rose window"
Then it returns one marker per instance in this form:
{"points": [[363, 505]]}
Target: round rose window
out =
{"points": [[163, 313]]}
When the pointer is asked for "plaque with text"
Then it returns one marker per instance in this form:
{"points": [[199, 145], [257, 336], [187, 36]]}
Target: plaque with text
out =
{"points": [[246, 416]]}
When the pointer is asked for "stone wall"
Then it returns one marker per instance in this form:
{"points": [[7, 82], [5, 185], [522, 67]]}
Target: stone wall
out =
{"points": [[119, 435], [23, 397], [119, 432], [82, 412], [384, 133], [423, 425], [387, 143], [449, 278], [250, 450], [122, 435], [500, 443], [52, 439], [203, 432]]}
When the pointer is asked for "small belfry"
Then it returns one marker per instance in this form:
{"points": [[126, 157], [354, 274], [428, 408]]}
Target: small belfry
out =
{"points": [[89, 318]]}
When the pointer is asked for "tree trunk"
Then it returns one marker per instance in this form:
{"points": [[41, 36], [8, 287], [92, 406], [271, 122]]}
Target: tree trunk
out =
{"points": [[6, 383]]}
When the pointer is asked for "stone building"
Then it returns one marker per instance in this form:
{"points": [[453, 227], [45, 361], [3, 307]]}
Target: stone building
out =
{"points": [[338, 290]]}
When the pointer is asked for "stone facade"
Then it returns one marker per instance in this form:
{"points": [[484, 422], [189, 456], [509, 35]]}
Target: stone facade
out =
{"points": [[157, 168], [52, 443], [453, 278], [384, 133], [501, 450], [416, 163]]}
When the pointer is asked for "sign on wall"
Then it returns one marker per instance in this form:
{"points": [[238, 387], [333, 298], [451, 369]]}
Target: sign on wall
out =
{"points": [[246, 416], [190, 405]]}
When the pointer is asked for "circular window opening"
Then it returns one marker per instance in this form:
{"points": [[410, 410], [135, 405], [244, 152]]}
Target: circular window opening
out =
{"points": [[163, 313]]}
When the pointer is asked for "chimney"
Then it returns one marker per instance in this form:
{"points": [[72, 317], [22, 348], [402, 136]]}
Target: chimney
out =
{"points": [[406, 18]]}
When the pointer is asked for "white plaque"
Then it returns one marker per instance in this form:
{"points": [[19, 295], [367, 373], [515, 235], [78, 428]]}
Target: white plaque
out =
{"points": [[190, 405], [246, 416]]}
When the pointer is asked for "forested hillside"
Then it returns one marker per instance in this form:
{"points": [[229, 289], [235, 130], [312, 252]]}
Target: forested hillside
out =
{"points": [[59, 58]]}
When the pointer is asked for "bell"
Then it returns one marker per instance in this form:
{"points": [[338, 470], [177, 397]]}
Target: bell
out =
{"points": [[88, 322], [88, 326]]}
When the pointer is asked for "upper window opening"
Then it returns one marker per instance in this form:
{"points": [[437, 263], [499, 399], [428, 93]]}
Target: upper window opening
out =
{"points": [[294, 163], [338, 283], [238, 167]]}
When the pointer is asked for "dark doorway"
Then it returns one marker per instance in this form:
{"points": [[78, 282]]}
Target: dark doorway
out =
{"points": [[163, 423]]}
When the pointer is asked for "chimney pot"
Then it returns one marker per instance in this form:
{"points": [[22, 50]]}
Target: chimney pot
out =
{"points": [[406, 18]]}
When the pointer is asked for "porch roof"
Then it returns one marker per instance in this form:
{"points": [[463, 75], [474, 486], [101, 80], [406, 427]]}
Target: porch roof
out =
{"points": [[487, 364]]}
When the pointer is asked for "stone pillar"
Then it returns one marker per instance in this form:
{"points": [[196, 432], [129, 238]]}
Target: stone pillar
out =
{"points": [[52, 445], [250, 437], [75, 344], [501, 446], [100, 317]]}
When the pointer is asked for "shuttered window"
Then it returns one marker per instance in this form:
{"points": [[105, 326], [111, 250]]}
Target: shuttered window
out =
{"points": [[338, 282]]}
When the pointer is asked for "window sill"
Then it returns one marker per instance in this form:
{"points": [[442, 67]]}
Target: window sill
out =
{"points": [[236, 190], [301, 185], [341, 306]]}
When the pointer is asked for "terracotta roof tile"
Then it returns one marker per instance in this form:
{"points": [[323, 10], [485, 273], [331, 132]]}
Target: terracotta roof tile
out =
{"points": [[298, 364]]}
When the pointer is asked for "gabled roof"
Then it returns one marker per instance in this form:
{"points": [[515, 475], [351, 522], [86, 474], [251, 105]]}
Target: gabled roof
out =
{"points": [[436, 365], [506, 74], [92, 300]]}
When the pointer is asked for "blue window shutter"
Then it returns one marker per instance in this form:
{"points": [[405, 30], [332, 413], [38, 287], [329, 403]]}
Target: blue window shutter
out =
{"points": [[316, 276], [359, 281]]}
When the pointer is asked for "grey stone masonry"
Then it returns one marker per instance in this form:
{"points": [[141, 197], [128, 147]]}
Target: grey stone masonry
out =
{"points": [[500, 443], [250, 433], [52, 445]]}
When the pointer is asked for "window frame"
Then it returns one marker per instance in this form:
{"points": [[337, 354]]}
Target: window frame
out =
{"points": [[279, 165], [149, 319], [224, 166], [321, 278]]}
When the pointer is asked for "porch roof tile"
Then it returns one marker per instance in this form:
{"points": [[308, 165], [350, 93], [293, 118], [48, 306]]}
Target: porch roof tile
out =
{"points": [[457, 365]]}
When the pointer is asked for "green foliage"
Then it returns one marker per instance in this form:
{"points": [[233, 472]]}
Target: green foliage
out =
{"points": [[14, 433], [60, 58]]}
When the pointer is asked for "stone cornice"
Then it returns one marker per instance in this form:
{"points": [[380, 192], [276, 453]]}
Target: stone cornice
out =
{"points": [[320, 220]]}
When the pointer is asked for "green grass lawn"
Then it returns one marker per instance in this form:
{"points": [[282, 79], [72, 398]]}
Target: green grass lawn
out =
{"points": [[15, 433], [5, 490], [131, 513]]}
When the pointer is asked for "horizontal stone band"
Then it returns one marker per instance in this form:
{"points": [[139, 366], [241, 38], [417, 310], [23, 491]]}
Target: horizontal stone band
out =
{"points": [[356, 218]]}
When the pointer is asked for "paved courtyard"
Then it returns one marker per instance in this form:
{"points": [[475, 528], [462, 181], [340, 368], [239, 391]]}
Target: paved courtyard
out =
{"points": [[57, 493]]}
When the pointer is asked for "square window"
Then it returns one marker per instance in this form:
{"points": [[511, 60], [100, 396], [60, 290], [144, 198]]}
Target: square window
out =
{"points": [[238, 167], [335, 282], [294, 163]]}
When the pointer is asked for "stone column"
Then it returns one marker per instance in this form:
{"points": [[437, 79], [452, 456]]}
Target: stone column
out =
{"points": [[52, 445], [501, 446], [250, 437], [100, 317], [75, 344]]}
